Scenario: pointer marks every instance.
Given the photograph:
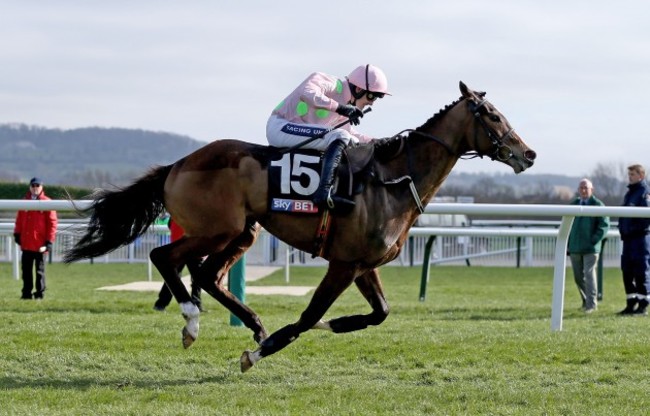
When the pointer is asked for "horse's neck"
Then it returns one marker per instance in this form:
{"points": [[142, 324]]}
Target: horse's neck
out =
{"points": [[430, 161], [437, 163]]}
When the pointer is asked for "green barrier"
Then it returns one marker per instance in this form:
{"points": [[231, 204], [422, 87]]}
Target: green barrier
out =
{"points": [[237, 286]]}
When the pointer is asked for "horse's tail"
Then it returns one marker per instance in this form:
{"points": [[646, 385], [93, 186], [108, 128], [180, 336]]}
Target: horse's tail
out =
{"points": [[120, 216]]}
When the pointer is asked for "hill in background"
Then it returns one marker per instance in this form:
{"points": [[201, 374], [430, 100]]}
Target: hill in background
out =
{"points": [[90, 156]]}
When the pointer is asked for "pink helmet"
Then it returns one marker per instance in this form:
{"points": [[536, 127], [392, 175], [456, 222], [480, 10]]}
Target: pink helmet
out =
{"points": [[370, 78]]}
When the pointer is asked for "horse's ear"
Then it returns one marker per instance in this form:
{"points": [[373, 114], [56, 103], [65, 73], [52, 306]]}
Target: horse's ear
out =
{"points": [[464, 90], [467, 93]]}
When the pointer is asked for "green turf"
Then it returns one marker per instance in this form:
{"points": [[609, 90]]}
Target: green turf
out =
{"points": [[480, 344]]}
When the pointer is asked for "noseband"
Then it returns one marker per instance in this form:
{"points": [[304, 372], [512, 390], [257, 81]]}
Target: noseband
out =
{"points": [[501, 151]]}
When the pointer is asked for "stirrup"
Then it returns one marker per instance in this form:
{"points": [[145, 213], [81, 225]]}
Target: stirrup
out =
{"points": [[339, 205], [329, 201]]}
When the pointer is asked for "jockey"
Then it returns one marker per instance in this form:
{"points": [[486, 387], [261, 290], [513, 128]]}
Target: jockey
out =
{"points": [[320, 102]]}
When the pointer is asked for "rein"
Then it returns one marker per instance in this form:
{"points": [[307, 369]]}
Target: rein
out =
{"points": [[432, 137]]}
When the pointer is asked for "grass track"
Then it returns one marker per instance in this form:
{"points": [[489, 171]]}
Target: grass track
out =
{"points": [[480, 344]]}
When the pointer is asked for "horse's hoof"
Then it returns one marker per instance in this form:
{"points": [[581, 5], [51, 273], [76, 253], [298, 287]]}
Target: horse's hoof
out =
{"points": [[245, 362], [188, 339]]}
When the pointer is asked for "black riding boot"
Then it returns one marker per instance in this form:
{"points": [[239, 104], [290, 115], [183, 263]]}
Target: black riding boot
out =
{"points": [[642, 309], [323, 197], [629, 309]]}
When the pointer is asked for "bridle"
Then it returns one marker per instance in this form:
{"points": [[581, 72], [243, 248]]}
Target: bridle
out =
{"points": [[500, 151]]}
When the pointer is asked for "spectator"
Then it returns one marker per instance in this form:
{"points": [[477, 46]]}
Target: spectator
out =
{"points": [[635, 234], [35, 232], [584, 246], [165, 295]]}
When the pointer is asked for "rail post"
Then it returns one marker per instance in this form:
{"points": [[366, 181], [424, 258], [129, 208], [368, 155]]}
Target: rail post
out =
{"points": [[237, 286], [559, 273], [426, 261]]}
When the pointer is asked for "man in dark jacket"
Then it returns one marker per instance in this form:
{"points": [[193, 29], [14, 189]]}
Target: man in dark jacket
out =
{"points": [[635, 234], [34, 232], [584, 246]]}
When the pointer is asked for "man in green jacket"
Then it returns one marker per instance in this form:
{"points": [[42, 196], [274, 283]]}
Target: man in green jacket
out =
{"points": [[585, 239]]}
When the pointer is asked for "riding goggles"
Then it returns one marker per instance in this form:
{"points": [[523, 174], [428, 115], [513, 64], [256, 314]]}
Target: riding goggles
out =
{"points": [[372, 96]]}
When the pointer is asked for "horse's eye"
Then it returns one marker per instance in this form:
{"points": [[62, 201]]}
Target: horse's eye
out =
{"points": [[495, 118]]}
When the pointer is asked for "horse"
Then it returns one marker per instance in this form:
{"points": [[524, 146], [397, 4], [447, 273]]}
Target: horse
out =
{"points": [[218, 194]]}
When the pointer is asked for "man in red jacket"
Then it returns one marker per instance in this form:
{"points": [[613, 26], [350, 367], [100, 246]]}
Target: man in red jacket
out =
{"points": [[34, 233]]}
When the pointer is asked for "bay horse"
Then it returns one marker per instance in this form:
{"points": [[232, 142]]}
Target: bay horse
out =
{"points": [[218, 194]]}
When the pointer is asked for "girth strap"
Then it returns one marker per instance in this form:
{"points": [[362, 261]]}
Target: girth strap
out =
{"points": [[322, 234], [414, 191]]}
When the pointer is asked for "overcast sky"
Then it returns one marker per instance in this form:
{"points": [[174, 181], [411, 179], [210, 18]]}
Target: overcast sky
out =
{"points": [[571, 76]]}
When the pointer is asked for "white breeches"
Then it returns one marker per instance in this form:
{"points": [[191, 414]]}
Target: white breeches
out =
{"points": [[281, 133]]}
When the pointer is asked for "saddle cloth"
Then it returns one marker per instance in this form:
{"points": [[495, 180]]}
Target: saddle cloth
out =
{"points": [[294, 177]]}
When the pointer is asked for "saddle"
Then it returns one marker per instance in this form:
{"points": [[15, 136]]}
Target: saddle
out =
{"points": [[355, 171]]}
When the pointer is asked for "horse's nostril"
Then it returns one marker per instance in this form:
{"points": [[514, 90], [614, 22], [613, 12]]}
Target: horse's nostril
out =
{"points": [[530, 154]]}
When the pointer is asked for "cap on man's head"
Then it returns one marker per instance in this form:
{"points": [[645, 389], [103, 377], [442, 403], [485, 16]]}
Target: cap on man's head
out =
{"points": [[36, 181]]}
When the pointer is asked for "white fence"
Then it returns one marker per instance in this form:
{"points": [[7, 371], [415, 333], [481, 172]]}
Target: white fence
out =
{"points": [[567, 212]]}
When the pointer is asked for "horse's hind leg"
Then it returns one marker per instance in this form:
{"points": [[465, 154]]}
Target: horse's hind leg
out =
{"points": [[214, 270], [338, 278], [370, 287], [167, 260]]}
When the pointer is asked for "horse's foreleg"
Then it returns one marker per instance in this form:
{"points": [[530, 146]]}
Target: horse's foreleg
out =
{"points": [[370, 287], [248, 317], [338, 278]]}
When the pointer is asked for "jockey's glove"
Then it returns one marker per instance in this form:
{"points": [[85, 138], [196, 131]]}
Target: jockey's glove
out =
{"points": [[48, 245], [351, 112]]}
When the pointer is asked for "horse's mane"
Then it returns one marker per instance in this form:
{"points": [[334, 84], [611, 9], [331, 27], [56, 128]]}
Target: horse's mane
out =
{"points": [[434, 119]]}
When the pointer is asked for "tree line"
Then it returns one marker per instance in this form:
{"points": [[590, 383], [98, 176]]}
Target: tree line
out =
{"points": [[609, 179]]}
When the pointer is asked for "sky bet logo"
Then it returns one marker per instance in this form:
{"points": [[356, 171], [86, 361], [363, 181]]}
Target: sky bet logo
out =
{"points": [[292, 205]]}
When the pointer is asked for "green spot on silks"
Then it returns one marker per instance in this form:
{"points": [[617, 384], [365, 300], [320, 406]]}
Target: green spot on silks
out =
{"points": [[339, 86], [322, 113], [302, 108]]}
